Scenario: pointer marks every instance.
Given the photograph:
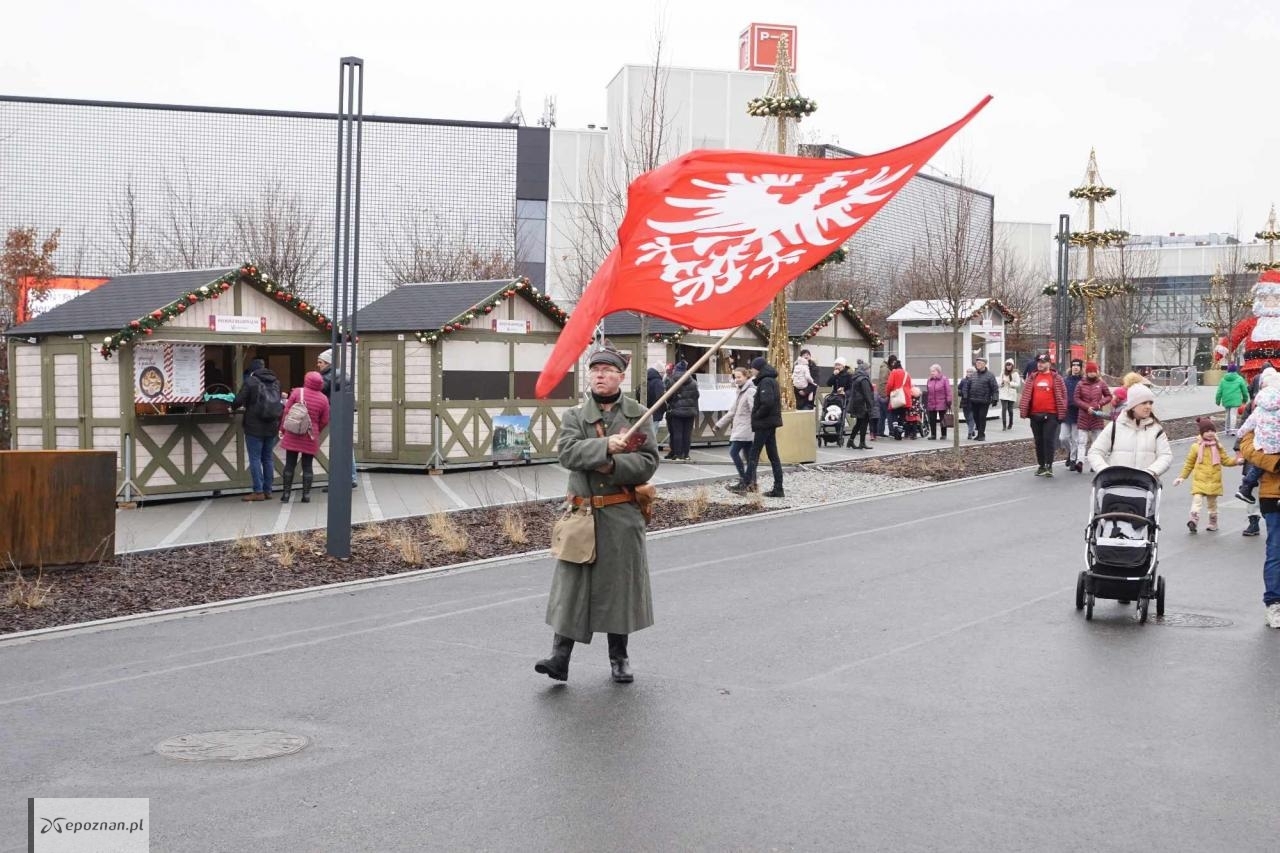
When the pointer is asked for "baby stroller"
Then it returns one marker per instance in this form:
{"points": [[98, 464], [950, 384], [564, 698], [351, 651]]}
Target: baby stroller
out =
{"points": [[1121, 554], [835, 412]]}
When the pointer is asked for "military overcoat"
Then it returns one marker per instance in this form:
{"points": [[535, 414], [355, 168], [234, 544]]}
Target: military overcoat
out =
{"points": [[612, 594]]}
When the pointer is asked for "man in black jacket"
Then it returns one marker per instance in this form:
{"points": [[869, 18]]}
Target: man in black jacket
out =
{"points": [[983, 391], [259, 396], [766, 417]]}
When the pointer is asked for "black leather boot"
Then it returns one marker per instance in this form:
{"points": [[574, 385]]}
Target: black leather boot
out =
{"points": [[287, 487], [306, 488], [619, 665], [556, 667]]}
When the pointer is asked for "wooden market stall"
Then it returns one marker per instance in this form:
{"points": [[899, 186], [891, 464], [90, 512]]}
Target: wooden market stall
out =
{"points": [[668, 343], [925, 335], [447, 373], [829, 329], [127, 366]]}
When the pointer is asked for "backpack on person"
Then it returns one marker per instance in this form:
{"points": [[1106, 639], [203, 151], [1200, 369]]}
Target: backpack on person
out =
{"points": [[298, 419], [266, 403]]}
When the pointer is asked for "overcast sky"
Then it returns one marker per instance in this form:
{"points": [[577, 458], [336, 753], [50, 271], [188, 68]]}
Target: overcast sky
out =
{"points": [[1178, 97]]}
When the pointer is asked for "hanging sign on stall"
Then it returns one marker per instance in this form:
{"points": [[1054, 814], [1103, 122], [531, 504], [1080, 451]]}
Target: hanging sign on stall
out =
{"points": [[241, 325], [512, 327], [168, 373]]}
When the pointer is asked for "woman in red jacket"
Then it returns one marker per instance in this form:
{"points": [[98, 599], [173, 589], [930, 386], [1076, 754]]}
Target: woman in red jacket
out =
{"points": [[307, 444], [1044, 401], [898, 380]]}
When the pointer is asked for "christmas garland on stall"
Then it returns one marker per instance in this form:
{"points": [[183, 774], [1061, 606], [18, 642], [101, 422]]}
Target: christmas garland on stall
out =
{"points": [[1091, 192], [148, 324], [459, 322], [770, 106], [841, 307]]}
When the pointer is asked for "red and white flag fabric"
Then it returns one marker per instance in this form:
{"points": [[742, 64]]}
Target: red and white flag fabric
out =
{"points": [[711, 237]]}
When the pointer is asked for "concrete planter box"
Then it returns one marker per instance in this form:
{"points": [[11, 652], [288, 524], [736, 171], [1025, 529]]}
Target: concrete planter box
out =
{"points": [[797, 439]]}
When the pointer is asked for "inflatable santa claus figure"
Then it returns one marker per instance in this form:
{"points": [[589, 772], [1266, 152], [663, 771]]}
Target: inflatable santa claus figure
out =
{"points": [[1260, 333]]}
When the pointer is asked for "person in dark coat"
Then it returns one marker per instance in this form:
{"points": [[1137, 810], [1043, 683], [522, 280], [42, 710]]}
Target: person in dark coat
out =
{"points": [[611, 595], [682, 411], [654, 389], [862, 402], [766, 417], [841, 377], [983, 391], [1067, 430], [324, 366], [260, 433]]}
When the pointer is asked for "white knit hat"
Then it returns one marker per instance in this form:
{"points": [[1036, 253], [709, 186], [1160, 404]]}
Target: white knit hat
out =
{"points": [[326, 356], [1270, 378], [1139, 393]]}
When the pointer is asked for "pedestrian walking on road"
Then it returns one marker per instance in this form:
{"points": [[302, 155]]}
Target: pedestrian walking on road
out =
{"points": [[306, 444], [766, 417], [1136, 439], [1204, 465], [1044, 402], [962, 388], [862, 406], [682, 411], [897, 388], [1010, 394], [1233, 392], [983, 392], [610, 595], [738, 419], [937, 389], [1067, 429], [1091, 396], [1269, 503]]}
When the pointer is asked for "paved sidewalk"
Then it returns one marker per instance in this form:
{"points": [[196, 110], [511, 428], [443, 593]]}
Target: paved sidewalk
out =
{"points": [[398, 494]]}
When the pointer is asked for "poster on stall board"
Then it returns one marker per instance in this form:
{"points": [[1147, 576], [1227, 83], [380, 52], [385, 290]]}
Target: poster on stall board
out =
{"points": [[511, 436], [168, 373]]}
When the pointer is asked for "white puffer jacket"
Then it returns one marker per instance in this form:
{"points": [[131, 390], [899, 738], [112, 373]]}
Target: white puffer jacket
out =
{"points": [[740, 414], [1134, 445]]}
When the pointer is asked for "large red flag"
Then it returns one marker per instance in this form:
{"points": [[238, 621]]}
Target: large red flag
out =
{"points": [[712, 236]]}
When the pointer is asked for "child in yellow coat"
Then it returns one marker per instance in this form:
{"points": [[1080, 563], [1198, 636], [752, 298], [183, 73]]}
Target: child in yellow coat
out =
{"points": [[1204, 465]]}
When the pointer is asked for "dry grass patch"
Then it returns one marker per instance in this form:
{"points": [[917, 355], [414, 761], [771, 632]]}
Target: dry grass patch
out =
{"points": [[28, 595], [446, 531], [696, 507], [288, 547], [513, 527], [247, 546], [403, 542], [370, 533]]}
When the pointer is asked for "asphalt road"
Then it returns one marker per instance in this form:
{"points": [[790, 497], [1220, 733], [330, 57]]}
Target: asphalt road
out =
{"points": [[902, 673]]}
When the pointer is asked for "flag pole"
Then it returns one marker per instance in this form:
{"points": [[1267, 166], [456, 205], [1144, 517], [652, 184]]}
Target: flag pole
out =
{"points": [[684, 377]]}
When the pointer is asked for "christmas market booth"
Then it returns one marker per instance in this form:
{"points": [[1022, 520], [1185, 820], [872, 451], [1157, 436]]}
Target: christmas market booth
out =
{"points": [[669, 343], [447, 372], [144, 366], [828, 329], [925, 335]]}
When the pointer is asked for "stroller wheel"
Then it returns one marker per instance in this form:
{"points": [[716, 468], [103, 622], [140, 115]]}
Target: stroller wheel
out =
{"points": [[1080, 592], [1160, 598], [1143, 606], [1088, 607]]}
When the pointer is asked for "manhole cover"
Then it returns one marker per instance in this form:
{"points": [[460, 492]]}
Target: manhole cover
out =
{"points": [[1191, 620], [234, 745]]}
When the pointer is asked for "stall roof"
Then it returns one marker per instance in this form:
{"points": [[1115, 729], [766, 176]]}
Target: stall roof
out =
{"points": [[937, 310], [116, 302], [427, 306], [626, 323], [805, 315]]}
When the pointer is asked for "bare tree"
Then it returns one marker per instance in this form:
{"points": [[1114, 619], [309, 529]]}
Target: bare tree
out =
{"points": [[194, 233], [602, 199], [1125, 272], [278, 234], [953, 273], [428, 249], [1021, 290], [131, 251], [26, 265]]}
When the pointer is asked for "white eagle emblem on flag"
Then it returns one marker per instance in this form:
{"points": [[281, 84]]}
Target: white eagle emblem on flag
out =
{"points": [[748, 226]]}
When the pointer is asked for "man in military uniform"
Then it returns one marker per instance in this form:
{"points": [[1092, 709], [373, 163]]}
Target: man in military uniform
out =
{"points": [[612, 594]]}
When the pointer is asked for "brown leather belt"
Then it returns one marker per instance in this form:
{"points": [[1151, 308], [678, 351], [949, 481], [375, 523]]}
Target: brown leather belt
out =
{"points": [[598, 501]]}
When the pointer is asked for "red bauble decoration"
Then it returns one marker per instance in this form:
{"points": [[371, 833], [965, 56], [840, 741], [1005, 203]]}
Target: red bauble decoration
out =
{"points": [[226, 285], [302, 306], [192, 298], [488, 308], [146, 331], [156, 315], [133, 324], [182, 308]]}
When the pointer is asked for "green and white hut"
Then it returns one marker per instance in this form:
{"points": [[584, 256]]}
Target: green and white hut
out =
{"points": [[137, 366], [447, 373]]}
